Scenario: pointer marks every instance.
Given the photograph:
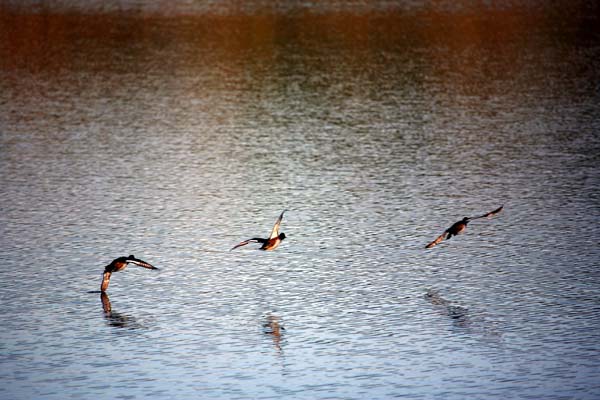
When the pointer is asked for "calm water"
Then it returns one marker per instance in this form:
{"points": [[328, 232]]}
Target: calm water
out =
{"points": [[172, 132]]}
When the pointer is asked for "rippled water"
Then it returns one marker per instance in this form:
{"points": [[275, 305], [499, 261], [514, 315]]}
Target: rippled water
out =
{"points": [[175, 131]]}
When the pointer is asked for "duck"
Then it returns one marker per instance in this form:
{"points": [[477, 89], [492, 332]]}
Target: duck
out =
{"points": [[119, 264], [272, 242], [460, 226]]}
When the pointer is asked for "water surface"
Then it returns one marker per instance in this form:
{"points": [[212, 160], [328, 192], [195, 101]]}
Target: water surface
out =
{"points": [[175, 131]]}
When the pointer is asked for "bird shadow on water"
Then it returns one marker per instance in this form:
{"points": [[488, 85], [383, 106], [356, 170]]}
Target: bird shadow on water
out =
{"points": [[116, 319], [462, 318]]}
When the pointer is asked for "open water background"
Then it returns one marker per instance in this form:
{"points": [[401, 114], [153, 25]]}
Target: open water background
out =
{"points": [[173, 131]]}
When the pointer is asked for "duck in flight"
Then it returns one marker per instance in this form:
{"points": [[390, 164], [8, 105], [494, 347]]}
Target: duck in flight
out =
{"points": [[460, 226], [267, 244], [120, 264]]}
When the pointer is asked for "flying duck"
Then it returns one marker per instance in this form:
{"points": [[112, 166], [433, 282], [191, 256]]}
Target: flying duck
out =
{"points": [[120, 264], [267, 244], [459, 227]]}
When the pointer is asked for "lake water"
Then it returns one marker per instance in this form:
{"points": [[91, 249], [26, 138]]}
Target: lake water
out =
{"points": [[176, 130]]}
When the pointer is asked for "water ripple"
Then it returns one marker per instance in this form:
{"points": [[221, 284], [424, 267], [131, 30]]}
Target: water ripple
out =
{"points": [[176, 139]]}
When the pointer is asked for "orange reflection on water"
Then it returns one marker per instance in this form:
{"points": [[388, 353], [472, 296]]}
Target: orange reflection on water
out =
{"points": [[49, 40]]}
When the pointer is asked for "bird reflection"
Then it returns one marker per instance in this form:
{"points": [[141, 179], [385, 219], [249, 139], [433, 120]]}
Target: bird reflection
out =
{"points": [[459, 315], [434, 298], [462, 318], [273, 327], [114, 318]]}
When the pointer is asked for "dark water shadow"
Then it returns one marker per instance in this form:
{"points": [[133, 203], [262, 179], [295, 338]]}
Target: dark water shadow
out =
{"points": [[459, 315], [116, 319], [462, 318]]}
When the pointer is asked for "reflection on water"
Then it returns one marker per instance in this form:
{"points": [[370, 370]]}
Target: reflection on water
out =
{"points": [[462, 318], [272, 327], [174, 129], [434, 298], [116, 319], [458, 314]]}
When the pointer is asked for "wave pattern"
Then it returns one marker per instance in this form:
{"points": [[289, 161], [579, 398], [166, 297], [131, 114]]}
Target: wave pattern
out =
{"points": [[173, 142]]}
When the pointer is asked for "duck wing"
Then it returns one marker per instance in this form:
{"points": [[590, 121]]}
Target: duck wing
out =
{"points": [[245, 242], [275, 231], [437, 240], [139, 263], [491, 213], [105, 281]]}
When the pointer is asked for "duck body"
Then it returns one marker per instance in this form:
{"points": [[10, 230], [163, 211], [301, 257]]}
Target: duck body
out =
{"points": [[119, 264], [457, 228], [460, 226], [272, 242]]}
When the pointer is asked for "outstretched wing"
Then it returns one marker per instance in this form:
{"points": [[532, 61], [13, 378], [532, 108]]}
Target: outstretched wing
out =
{"points": [[245, 242], [140, 263], [275, 231], [437, 240], [491, 213], [105, 281]]}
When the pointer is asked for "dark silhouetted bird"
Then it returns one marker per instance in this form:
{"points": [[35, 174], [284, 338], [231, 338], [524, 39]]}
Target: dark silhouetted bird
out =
{"points": [[490, 214], [459, 227], [267, 244], [120, 264]]}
